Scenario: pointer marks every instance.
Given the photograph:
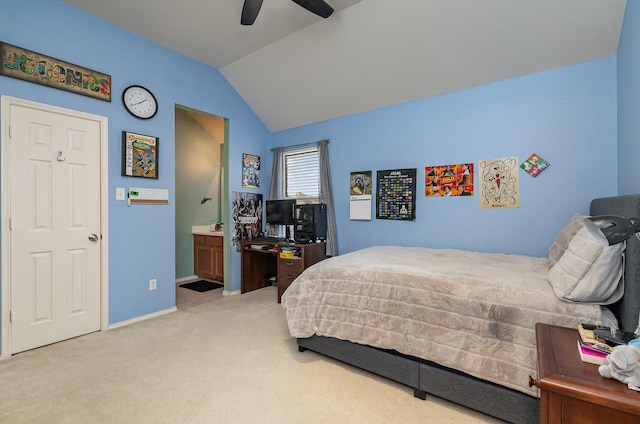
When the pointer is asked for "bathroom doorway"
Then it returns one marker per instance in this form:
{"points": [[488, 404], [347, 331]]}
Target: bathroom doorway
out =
{"points": [[201, 140]]}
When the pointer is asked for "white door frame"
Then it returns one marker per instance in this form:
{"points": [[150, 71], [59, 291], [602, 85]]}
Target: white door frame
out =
{"points": [[5, 178]]}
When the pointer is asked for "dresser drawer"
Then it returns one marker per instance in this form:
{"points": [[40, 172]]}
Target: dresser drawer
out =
{"points": [[288, 270], [285, 280], [290, 266]]}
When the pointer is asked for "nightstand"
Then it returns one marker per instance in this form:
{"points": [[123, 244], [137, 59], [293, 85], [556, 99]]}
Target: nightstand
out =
{"points": [[572, 391]]}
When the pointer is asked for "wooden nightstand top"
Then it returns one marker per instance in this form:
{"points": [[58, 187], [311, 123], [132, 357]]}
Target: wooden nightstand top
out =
{"points": [[563, 378]]}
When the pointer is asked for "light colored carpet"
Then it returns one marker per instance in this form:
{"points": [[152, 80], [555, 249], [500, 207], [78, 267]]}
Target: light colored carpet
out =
{"points": [[228, 361]]}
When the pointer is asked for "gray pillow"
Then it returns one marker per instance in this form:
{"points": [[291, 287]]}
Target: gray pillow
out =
{"points": [[589, 271], [564, 237]]}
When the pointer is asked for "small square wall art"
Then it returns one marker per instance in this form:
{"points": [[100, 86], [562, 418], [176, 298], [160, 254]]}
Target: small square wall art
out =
{"points": [[534, 165]]}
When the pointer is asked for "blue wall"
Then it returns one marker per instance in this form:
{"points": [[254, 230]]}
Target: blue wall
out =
{"points": [[567, 115], [628, 104], [142, 239]]}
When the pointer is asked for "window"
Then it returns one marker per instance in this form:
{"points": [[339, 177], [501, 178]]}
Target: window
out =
{"points": [[302, 174]]}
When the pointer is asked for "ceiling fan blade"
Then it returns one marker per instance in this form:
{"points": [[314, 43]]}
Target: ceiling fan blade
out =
{"points": [[318, 7], [250, 11]]}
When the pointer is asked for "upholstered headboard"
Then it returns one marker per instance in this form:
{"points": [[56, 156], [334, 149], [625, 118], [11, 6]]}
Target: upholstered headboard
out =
{"points": [[627, 310]]}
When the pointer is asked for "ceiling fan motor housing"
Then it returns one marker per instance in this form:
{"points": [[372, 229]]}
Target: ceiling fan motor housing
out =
{"points": [[251, 8]]}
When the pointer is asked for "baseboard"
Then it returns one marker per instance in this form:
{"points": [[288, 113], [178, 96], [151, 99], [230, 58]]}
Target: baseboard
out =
{"points": [[186, 279], [230, 293], [142, 318]]}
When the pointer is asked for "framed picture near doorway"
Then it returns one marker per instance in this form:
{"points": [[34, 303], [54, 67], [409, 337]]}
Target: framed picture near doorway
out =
{"points": [[139, 155]]}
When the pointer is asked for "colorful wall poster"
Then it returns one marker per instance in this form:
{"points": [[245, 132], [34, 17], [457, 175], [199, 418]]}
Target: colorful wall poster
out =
{"points": [[448, 180], [396, 193], [247, 217], [534, 165], [250, 171], [360, 195], [499, 183]]}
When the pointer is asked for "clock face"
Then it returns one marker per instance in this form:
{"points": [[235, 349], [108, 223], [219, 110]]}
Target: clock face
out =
{"points": [[140, 102]]}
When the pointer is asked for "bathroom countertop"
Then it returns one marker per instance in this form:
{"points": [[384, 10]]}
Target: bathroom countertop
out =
{"points": [[205, 230]]}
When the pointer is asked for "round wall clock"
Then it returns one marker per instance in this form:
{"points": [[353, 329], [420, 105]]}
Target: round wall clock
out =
{"points": [[140, 102]]}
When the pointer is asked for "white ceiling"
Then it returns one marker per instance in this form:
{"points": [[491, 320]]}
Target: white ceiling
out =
{"points": [[294, 68]]}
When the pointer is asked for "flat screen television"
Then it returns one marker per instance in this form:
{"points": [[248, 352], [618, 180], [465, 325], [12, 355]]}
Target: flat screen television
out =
{"points": [[280, 212]]}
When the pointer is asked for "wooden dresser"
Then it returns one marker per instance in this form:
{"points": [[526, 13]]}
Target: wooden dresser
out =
{"points": [[572, 391]]}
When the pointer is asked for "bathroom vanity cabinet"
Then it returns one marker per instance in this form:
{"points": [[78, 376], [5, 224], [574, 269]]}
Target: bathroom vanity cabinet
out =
{"points": [[208, 256]]}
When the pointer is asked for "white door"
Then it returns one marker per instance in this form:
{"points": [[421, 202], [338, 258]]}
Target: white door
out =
{"points": [[54, 226]]}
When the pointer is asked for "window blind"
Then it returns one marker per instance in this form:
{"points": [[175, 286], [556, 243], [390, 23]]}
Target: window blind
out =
{"points": [[302, 173]]}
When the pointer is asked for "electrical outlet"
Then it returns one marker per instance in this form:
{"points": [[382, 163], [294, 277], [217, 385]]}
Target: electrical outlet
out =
{"points": [[153, 283]]}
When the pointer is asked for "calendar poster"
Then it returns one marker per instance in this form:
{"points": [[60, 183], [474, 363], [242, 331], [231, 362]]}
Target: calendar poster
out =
{"points": [[396, 194], [360, 198]]}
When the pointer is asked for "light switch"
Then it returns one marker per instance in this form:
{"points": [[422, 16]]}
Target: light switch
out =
{"points": [[119, 193]]}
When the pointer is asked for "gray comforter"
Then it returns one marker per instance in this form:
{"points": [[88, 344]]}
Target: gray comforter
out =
{"points": [[474, 312]]}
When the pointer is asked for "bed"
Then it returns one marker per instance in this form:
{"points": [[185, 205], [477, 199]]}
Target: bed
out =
{"points": [[462, 330]]}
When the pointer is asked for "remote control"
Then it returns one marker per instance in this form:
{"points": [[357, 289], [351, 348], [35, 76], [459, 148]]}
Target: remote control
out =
{"points": [[594, 327]]}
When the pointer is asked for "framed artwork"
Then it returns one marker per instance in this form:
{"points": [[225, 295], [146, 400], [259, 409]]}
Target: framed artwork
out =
{"points": [[250, 171], [396, 194], [35, 67], [139, 155]]}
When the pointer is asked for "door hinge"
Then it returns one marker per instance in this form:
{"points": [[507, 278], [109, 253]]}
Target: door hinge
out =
{"points": [[10, 316]]}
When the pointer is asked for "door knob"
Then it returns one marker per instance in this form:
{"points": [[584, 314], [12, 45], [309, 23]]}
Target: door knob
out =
{"points": [[93, 237]]}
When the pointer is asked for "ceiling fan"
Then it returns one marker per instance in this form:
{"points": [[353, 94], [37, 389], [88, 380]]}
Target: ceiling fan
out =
{"points": [[252, 7]]}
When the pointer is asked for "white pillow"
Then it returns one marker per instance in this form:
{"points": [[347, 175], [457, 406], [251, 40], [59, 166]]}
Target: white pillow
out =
{"points": [[564, 237], [589, 271]]}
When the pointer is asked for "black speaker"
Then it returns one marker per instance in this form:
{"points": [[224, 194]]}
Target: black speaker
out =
{"points": [[310, 223]]}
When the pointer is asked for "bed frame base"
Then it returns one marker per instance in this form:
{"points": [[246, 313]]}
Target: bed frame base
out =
{"points": [[427, 377]]}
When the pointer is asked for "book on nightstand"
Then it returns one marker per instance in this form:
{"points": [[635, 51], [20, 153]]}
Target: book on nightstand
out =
{"points": [[591, 354], [587, 335]]}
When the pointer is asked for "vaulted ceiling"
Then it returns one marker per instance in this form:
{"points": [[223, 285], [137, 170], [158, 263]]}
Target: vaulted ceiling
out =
{"points": [[294, 68]]}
